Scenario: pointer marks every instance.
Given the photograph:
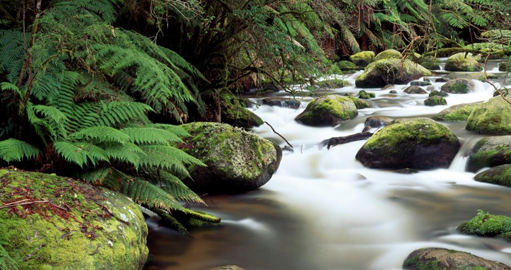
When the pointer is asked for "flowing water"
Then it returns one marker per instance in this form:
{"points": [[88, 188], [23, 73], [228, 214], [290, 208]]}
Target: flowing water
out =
{"points": [[323, 210]]}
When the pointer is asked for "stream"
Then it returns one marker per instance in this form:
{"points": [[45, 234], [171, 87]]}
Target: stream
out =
{"points": [[323, 210]]}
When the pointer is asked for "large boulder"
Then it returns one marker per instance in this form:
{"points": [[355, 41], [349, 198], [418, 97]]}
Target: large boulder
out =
{"points": [[463, 62], [390, 71], [492, 117], [362, 59], [240, 117], [499, 175], [328, 111], [459, 112], [445, 259], [415, 90], [388, 54], [51, 222], [282, 102], [488, 225], [237, 161], [490, 152], [359, 103], [459, 86], [416, 143]]}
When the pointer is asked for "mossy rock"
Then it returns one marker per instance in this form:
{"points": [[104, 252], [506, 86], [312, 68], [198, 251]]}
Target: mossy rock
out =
{"points": [[447, 259], [362, 59], [420, 83], [459, 86], [459, 112], [228, 267], [505, 66], [499, 175], [365, 95], [486, 224], [435, 101], [347, 65], [490, 152], [390, 71], [388, 54], [435, 93], [240, 117], [328, 111], [68, 224], [503, 91], [415, 90], [463, 62], [359, 103], [332, 83], [376, 122], [430, 63], [282, 102], [492, 117], [237, 161], [415, 143]]}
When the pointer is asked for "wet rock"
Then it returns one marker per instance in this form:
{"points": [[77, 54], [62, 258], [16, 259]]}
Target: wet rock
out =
{"points": [[505, 67], [438, 80], [377, 121], [359, 103], [104, 230], [435, 93], [228, 267], [390, 71], [459, 86], [499, 175], [332, 84], [241, 117], [445, 259], [415, 90], [282, 102], [388, 54], [328, 111], [490, 152], [492, 117], [420, 83], [503, 91], [362, 59], [237, 161], [393, 92], [463, 62], [365, 95], [388, 86], [435, 101], [407, 171], [488, 225], [430, 63], [459, 112], [415, 143]]}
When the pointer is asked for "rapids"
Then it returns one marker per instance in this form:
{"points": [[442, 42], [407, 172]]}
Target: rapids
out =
{"points": [[323, 210]]}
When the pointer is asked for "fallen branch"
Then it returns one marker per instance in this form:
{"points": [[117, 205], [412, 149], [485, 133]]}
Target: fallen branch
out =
{"points": [[346, 139], [274, 131], [23, 202]]}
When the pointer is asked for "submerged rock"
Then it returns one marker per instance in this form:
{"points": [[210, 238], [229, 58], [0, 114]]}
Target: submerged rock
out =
{"points": [[328, 111], [415, 90], [492, 117], [459, 86], [415, 143], [420, 83], [500, 175], [388, 54], [431, 63], [490, 152], [365, 95], [388, 86], [359, 103], [376, 122], [435, 101], [237, 161], [282, 102], [69, 224], [459, 112], [362, 59], [390, 71], [435, 93], [463, 62], [447, 259], [488, 225]]}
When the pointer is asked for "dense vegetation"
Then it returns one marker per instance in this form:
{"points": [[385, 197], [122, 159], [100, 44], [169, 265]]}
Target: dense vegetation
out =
{"points": [[93, 89]]}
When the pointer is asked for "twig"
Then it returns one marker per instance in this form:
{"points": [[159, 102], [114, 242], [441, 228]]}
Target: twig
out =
{"points": [[490, 83], [346, 139], [274, 131], [23, 202]]}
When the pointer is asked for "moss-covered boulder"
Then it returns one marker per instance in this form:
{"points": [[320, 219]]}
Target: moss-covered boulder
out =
{"points": [[430, 63], [365, 95], [505, 66], [390, 71], [359, 103], [416, 143], [435, 93], [51, 222], [347, 65], [328, 111], [447, 259], [240, 117], [492, 117], [490, 152], [388, 54], [459, 112], [463, 62], [415, 90], [459, 86], [332, 83], [237, 161], [282, 102], [499, 175], [435, 101], [488, 225], [362, 59]]}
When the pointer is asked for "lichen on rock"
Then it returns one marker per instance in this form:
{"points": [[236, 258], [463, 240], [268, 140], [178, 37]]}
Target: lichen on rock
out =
{"points": [[463, 62], [388, 54], [492, 117], [362, 59]]}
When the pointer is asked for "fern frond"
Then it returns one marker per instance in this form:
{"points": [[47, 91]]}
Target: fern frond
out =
{"points": [[128, 153], [80, 153], [148, 135], [101, 134], [16, 150]]}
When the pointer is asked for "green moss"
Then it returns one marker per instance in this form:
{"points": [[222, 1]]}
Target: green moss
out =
{"points": [[333, 83], [492, 117], [499, 175], [328, 107], [364, 95], [390, 71], [73, 230], [389, 54], [455, 113], [489, 152], [458, 88], [363, 59], [463, 62], [360, 104], [435, 101], [485, 224], [505, 66], [346, 65], [235, 113], [431, 63]]}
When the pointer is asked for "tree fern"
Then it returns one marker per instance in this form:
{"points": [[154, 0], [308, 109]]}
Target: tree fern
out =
{"points": [[16, 150]]}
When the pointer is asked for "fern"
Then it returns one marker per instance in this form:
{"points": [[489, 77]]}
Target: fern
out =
{"points": [[6, 261], [16, 150]]}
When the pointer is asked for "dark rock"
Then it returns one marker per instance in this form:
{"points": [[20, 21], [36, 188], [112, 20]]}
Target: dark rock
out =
{"points": [[282, 102], [436, 93], [377, 121], [365, 95], [393, 92], [415, 90], [459, 86], [407, 171], [228, 267], [435, 101], [420, 83], [500, 175], [490, 152]]}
